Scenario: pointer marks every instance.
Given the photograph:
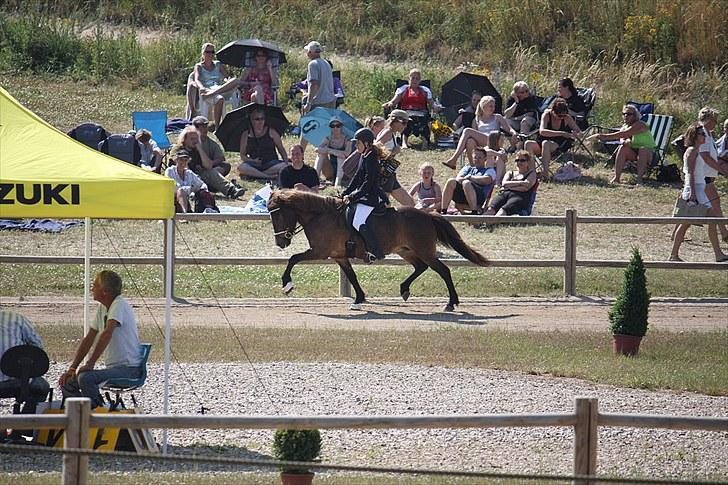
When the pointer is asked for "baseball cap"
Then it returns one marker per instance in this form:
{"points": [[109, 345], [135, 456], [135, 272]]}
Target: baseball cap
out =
{"points": [[335, 119], [182, 153], [200, 120], [312, 46]]}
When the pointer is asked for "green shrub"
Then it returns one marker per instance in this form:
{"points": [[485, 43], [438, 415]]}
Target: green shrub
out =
{"points": [[296, 445], [628, 315]]}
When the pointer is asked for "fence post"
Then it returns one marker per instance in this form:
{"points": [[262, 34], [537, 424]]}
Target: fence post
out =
{"points": [[78, 415], [344, 285], [570, 253], [585, 438], [169, 245]]}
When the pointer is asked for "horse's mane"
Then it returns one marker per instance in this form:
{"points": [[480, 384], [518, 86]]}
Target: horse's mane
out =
{"points": [[307, 201]]}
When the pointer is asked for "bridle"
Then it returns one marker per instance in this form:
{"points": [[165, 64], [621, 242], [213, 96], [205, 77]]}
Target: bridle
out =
{"points": [[287, 233]]}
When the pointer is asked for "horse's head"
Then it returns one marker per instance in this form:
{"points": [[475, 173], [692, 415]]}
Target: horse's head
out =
{"points": [[283, 218]]}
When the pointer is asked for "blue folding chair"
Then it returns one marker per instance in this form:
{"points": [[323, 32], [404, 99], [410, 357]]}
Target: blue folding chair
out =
{"points": [[125, 385], [156, 123]]}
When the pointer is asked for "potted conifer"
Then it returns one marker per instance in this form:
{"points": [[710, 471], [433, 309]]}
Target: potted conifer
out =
{"points": [[628, 315], [297, 445]]}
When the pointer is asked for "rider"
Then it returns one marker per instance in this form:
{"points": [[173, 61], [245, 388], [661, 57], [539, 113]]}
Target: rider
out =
{"points": [[364, 194]]}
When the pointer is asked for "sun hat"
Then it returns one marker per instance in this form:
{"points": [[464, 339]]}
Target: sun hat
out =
{"points": [[399, 115], [312, 46]]}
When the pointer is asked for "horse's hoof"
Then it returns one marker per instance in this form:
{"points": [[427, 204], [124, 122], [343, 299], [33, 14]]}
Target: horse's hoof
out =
{"points": [[288, 287], [449, 307], [355, 306], [405, 295]]}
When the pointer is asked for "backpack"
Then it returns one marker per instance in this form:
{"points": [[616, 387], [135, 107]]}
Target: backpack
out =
{"points": [[205, 202], [669, 174], [90, 134], [124, 147], [568, 171]]}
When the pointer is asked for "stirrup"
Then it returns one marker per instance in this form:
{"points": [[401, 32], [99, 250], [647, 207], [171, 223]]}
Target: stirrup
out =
{"points": [[369, 258]]}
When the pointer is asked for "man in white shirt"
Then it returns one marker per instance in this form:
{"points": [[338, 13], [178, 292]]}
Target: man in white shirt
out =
{"points": [[114, 331]]}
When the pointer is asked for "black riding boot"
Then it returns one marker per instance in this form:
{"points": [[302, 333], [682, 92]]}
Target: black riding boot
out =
{"points": [[374, 252]]}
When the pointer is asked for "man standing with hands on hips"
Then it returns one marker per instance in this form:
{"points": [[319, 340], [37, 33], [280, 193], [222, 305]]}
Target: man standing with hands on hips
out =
{"points": [[114, 331]]}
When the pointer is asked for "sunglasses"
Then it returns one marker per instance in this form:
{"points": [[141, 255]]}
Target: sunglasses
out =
{"points": [[521, 160], [258, 119], [627, 114], [209, 52], [336, 125]]}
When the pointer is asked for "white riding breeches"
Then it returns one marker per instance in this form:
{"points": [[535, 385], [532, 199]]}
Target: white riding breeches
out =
{"points": [[361, 215]]}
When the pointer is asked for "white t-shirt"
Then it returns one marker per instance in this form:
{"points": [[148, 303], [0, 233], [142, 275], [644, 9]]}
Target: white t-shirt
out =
{"points": [[709, 147], [124, 347]]}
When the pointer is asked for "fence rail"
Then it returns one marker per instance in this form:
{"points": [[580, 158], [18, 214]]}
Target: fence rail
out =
{"points": [[570, 221], [585, 420]]}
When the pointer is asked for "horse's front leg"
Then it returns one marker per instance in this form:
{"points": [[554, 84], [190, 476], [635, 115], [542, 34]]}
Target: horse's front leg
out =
{"points": [[345, 266], [292, 261]]}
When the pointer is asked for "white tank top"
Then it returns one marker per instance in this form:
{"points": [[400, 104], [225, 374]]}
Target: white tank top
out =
{"points": [[487, 127]]}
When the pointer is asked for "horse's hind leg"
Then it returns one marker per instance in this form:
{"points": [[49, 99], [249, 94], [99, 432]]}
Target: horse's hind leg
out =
{"points": [[345, 265], [420, 267], [444, 272], [292, 261]]}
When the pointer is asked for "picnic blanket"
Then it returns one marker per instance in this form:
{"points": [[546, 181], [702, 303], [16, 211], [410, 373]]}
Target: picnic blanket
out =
{"points": [[37, 225]]}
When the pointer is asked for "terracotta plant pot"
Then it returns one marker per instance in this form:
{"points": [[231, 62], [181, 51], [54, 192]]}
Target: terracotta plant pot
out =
{"points": [[626, 344], [296, 478]]}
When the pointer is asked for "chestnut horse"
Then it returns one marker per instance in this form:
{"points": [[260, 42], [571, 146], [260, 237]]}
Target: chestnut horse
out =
{"points": [[409, 232]]}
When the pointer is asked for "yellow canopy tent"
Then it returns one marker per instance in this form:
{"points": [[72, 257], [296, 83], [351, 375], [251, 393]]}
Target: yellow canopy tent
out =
{"points": [[46, 174]]}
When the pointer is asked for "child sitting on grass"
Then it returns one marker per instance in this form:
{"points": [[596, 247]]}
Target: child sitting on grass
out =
{"points": [[426, 193]]}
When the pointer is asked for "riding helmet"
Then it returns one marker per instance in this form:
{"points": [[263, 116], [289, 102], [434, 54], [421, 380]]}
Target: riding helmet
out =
{"points": [[365, 135]]}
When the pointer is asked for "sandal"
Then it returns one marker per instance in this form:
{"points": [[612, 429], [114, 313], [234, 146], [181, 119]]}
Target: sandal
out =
{"points": [[453, 166]]}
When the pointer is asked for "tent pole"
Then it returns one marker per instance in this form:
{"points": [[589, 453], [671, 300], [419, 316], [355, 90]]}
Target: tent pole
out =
{"points": [[169, 256], [86, 272]]}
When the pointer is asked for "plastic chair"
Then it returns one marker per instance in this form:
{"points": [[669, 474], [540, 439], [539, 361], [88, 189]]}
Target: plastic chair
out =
{"points": [[90, 134], [124, 147], [122, 385]]}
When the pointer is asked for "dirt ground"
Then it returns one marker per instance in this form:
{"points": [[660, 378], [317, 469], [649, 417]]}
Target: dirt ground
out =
{"points": [[532, 314]]}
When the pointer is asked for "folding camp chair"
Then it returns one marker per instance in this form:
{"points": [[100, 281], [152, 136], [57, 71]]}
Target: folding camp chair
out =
{"points": [[644, 109], [661, 129], [124, 147], [156, 123], [418, 125], [90, 134]]}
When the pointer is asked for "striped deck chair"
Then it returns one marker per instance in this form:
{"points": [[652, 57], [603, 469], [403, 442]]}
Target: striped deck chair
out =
{"points": [[661, 128]]}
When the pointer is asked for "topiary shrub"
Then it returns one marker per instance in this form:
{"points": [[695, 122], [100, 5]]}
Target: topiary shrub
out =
{"points": [[628, 315], [296, 445]]}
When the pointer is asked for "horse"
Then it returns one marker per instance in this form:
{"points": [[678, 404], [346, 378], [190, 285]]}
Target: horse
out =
{"points": [[411, 233]]}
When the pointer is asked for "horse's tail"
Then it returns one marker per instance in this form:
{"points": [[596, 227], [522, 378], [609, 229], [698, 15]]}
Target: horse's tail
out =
{"points": [[448, 235]]}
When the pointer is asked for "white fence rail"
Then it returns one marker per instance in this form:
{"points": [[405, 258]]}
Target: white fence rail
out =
{"points": [[586, 420], [570, 221]]}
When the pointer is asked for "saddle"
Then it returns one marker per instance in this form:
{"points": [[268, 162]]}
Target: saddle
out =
{"points": [[351, 242]]}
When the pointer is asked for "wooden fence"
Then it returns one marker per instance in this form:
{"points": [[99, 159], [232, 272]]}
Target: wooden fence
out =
{"points": [[570, 221], [586, 420]]}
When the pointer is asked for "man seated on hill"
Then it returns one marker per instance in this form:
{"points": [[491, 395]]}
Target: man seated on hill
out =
{"points": [[297, 175], [202, 164], [522, 109], [212, 148], [16, 330], [113, 333], [152, 155], [471, 186]]}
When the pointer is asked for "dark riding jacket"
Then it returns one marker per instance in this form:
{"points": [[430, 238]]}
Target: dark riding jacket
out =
{"points": [[364, 188]]}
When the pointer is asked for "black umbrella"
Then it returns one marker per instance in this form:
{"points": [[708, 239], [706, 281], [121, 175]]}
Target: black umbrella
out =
{"points": [[241, 53], [238, 121], [458, 91]]}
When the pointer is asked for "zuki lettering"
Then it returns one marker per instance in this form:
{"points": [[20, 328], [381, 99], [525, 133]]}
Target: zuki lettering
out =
{"points": [[47, 194]]}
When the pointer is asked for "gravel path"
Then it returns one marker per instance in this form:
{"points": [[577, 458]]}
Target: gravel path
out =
{"points": [[355, 389]]}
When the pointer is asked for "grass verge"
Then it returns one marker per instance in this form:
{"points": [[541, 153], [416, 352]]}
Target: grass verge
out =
{"points": [[686, 361]]}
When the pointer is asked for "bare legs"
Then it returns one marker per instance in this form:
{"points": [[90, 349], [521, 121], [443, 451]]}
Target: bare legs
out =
{"points": [[545, 150], [271, 173], [479, 138], [626, 154], [712, 236], [449, 190]]}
